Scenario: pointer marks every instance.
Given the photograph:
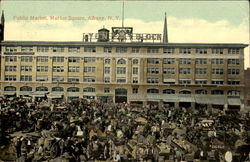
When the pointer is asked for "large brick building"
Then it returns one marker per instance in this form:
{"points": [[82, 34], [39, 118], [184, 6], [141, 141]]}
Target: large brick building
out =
{"points": [[126, 70]]}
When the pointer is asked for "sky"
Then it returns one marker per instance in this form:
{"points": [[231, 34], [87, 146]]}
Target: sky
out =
{"points": [[188, 21]]}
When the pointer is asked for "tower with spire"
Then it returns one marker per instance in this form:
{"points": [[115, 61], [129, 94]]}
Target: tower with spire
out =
{"points": [[2, 27], [165, 30]]}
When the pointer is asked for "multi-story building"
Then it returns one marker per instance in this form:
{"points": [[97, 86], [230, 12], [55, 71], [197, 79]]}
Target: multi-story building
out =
{"points": [[139, 72], [247, 90]]}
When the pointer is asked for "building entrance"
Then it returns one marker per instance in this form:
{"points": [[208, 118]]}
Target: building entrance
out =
{"points": [[121, 95]]}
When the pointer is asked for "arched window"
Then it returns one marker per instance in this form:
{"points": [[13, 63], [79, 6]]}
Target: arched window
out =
{"points": [[57, 89], [217, 92], [73, 89], [121, 61], [233, 93], [201, 91], [135, 61], [26, 88], [153, 90], [9, 88], [41, 88], [89, 89], [168, 91], [107, 61], [185, 91]]}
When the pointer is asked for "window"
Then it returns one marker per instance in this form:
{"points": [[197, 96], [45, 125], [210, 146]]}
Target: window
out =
{"points": [[106, 70], [152, 80], [217, 50], [58, 69], [26, 58], [233, 93], [89, 69], [121, 80], [217, 71], [121, 49], [89, 79], [185, 50], [74, 68], [217, 61], [168, 50], [201, 50], [58, 49], [185, 81], [106, 90], [89, 49], [217, 81], [73, 89], [233, 82], [201, 61], [168, 91], [42, 49], [135, 49], [107, 49], [9, 88], [135, 61], [43, 89], [74, 59], [185, 91], [10, 58], [26, 78], [153, 70], [107, 79], [134, 90], [107, 61], [169, 70], [217, 92], [26, 68], [42, 78], [152, 90], [89, 89], [233, 50], [201, 81], [42, 58], [233, 61], [10, 78], [234, 71], [185, 70], [201, 70], [74, 49], [135, 70], [185, 61], [26, 49], [10, 49], [73, 79], [26, 88], [57, 89], [135, 79], [153, 50], [42, 68], [58, 59], [121, 70], [10, 68], [201, 91], [168, 61], [58, 78], [89, 59], [121, 61], [153, 60]]}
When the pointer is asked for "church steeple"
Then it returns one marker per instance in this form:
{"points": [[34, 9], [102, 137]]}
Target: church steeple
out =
{"points": [[2, 18], [2, 27], [165, 30]]}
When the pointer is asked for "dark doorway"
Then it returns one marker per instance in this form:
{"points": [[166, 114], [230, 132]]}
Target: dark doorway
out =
{"points": [[121, 95], [185, 104]]}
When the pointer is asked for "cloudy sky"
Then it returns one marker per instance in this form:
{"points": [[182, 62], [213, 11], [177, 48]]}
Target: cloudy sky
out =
{"points": [[188, 21]]}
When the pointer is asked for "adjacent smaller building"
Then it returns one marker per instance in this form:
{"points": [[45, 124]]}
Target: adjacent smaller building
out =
{"points": [[247, 89]]}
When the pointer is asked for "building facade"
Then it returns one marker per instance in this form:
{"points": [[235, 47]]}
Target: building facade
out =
{"points": [[177, 74]]}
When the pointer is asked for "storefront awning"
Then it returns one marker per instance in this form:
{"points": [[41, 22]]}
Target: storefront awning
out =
{"points": [[202, 100], [186, 99], [55, 95], [26, 93], [9, 93], [234, 101], [217, 100], [39, 94], [170, 98]]}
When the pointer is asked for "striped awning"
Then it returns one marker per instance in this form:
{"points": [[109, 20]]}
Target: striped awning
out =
{"points": [[234, 101]]}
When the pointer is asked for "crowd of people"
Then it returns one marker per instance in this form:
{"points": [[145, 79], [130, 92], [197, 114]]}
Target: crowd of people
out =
{"points": [[84, 130]]}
